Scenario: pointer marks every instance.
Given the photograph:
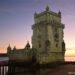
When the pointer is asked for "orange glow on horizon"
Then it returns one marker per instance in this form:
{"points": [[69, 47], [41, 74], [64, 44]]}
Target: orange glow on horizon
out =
{"points": [[70, 53], [3, 50], [69, 58]]}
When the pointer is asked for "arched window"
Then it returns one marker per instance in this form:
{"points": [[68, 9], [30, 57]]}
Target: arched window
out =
{"points": [[56, 45], [47, 43], [56, 35], [39, 36], [39, 44]]}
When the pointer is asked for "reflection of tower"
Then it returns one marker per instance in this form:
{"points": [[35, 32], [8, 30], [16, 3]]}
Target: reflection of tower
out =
{"points": [[47, 36]]}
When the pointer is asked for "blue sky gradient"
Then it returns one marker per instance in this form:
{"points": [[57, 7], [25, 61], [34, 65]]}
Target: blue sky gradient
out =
{"points": [[17, 17]]}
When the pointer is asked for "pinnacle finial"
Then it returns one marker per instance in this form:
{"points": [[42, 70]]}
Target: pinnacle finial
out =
{"points": [[35, 14], [9, 48], [47, 8], [9, 45], [27, 45], [59, 13], [14, 48]]}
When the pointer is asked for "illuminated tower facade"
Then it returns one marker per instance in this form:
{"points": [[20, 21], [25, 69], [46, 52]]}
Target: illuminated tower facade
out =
{"points": [[47, 39]]}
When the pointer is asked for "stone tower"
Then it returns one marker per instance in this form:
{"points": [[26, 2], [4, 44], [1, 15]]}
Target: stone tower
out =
{"points": [[47, 37]]}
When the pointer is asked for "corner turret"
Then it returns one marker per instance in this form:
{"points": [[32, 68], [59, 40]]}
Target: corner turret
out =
{"points": [[27, 46], [8, 49]]}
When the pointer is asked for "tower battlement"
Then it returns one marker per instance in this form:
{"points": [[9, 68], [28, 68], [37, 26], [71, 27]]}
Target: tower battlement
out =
{"points": [[48, 16]]}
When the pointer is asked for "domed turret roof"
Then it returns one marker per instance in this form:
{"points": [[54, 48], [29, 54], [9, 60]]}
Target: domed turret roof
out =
{"points": [[27, 45], [9, 48]]}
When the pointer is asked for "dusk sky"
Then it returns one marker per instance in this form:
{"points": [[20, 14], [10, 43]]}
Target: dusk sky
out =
{"points": [[17, 17]]}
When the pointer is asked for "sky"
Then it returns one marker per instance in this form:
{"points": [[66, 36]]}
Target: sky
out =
{"points": [[17, 17]]}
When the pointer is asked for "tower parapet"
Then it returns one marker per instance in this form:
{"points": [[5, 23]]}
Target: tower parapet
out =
{"points": [[47, 16]]}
